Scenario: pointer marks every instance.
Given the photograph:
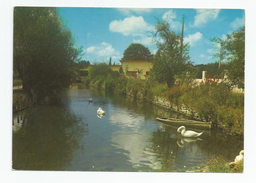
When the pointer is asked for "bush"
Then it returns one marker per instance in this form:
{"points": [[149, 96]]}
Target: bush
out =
{"points": [[174, 93], [99, 70]]}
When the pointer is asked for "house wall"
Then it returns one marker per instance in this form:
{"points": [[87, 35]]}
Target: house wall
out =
{"points": [[115, 67], [133, 65]]}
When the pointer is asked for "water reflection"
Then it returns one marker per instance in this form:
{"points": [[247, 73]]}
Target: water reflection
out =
{"points": [[182, 141], [49, 141], [100, 115], [71, 136]]}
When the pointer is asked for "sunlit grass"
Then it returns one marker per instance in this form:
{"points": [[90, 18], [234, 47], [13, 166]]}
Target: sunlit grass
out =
{"points": [[218, 165]]}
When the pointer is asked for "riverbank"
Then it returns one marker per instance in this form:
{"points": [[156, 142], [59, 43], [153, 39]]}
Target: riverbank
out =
{"points": [[209, 101]]}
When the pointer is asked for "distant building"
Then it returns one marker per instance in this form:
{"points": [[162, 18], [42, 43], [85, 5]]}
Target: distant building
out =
{"points": [[115, 67], [137, 68]]}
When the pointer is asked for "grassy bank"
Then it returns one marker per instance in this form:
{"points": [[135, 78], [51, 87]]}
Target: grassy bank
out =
{"points": [[218, 165], [209, 101]]}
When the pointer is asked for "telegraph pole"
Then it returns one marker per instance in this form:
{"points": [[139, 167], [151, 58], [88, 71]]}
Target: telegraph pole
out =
{"points": [[181, 39]]}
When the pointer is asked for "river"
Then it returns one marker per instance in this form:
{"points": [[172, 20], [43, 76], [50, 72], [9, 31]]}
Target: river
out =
{"points": [[69, 135]]}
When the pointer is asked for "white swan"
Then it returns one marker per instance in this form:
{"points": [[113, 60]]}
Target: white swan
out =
{"points": [[90, 100], [100, 111], [188, 133], [240, 158]]}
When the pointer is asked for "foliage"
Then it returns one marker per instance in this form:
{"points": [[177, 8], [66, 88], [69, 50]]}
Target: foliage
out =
{"points": [[84, 63], [121, 71], [44, 51], [99, 70], [215, 102], [220, 164], [136, 51], [174, 93], [185, 78], [212, 69], [234, 52], [168, 60]]}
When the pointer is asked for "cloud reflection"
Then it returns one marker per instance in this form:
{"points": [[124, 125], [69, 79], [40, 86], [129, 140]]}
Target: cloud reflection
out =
{"points": [[134, 139]]}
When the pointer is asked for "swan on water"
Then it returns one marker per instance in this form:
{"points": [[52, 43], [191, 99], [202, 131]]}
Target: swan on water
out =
{"points": [[90, 100], [100, 111], [188, 133]]}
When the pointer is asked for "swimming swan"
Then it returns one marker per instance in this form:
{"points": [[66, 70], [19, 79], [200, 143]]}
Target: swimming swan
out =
{"points": [[100, 111], [188, 133], [90, 100]]}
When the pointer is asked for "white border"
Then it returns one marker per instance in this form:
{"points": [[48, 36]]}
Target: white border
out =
{"points": [[7, 175]]}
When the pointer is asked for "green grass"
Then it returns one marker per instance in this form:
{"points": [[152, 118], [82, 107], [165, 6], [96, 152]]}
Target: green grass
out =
{"points": [[217, 165]]}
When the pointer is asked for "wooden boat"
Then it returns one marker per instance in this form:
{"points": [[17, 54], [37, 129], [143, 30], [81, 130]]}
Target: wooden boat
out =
{"points": [[174, 121]]}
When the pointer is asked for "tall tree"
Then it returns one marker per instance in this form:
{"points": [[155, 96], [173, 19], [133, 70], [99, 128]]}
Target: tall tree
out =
{"points": [[136, 51], [110, 61], [44, 51], [233, 51], [168, 61]]}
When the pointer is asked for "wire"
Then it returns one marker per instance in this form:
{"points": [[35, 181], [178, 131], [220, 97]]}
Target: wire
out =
{"points": [[197, 28]]}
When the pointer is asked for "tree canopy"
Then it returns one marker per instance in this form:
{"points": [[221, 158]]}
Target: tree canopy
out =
{"points": [[44, 51], [233, 50], [168, 60], [137, 51]]}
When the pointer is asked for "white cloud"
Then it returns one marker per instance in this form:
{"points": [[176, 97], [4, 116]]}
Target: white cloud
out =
{"points": [[193, 38], [210, 50], [224, 37], [169, 16], [90, 49], [144, 40], [205, 15], [130, 26], [103, 50], [237, 23], [202, 56], [129, 11]]}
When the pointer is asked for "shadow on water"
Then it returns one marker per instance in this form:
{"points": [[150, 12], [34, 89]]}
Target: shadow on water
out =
{"points": [[46, 137]]}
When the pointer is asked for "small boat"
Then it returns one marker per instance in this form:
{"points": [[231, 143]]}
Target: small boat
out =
{"points": [[179, 122]]}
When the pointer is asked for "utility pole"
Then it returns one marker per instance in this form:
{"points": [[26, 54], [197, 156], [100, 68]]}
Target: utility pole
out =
{"points": [[221, 53], [181, 39]]}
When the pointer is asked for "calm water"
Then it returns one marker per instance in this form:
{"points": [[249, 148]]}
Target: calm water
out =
{"points": [[70, 136]]}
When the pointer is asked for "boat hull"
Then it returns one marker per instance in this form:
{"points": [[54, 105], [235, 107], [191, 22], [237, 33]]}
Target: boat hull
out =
{"points": [[179, 122]]}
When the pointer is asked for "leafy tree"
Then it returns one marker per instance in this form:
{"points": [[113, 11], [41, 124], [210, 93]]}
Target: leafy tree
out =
{"points": [[233, 51], [137, 51], [44, 51], [100, 70], [212, 69], [168, 61], [84, 63]]}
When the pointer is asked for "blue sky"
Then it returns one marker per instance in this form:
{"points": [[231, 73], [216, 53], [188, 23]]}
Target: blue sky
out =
{"points": [[107, 32]]}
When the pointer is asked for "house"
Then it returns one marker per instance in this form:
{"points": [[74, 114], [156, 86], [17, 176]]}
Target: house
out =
{"points": [[136, 68], [115, 67]]}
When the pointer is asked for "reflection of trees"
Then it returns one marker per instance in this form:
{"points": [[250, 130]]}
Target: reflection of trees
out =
{"points": [[221, 144], [48, 140], [140, 107]]}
